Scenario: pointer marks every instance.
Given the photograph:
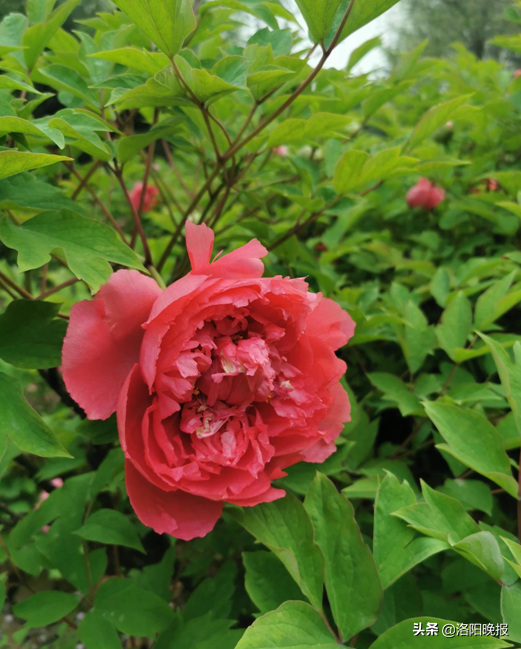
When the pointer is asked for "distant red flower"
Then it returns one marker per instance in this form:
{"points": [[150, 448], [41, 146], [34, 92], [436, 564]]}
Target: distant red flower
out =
{"points": [[281, 150], [517, 74], [320, 247], [151, 194], [425, 194], [491, 183]]}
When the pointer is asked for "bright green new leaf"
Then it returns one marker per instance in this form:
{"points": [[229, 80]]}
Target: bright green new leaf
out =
{"points": [[23, 425], [31, 336], [267, 581], [111, 527], [14, 162], [395, 548], [456, 324], [166, 23], [96, 632], [361, 14], [88, 245], [352, 583], [46, 607], [473, 440], [284, 527], [8, 83], [319, 16], [37, 37], [402, 636], [134, 611], [295, 625]]}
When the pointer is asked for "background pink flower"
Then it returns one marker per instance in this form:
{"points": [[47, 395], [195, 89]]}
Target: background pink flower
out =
{"points": [[220, 382], [151, 194], [425, 194]]}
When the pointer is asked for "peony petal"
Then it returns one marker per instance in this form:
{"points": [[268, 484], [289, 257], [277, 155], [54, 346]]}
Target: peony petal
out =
{"points": [[330, 323], [199, 243], [103, 341], [170, 512]]}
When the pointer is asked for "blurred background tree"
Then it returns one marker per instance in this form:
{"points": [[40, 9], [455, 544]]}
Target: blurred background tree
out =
{"points": [[444, 22]]}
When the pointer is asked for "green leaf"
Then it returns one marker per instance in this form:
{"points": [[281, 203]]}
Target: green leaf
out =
{"points": [[14, 162], [38, 10], [88, 245], [295, 625], [46, 607], [168, 24], [96, 632], [355, 169], [483, 550], [440, 516], [485, 454], [23, 425], [360, 52], [267, 582], [19, 125], [284, 527], [141, 60], [9, 83], [456, 324], [37, 37], [319, 16], [419, 337], [396, 550], [472, 494], [31, 336], [65, 79], [207, 87], [164, 89], [402, 636], [25, 191], [509, 374], [362, 13], [490, 304], [82, 130], [435, 118], [111, 527], [510, 607], [352, 581], [396, 392], [132, 610]]}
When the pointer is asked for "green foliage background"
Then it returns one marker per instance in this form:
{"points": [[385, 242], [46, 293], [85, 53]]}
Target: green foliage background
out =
{"points": [[414, 519]]}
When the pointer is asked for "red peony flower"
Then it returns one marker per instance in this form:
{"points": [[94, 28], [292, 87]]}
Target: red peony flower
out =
{"points": [[150, 200], [220, 382], [425, 194]]}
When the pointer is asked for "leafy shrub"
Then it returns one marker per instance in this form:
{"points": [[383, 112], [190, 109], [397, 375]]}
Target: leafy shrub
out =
{"points": [[116, 134]]}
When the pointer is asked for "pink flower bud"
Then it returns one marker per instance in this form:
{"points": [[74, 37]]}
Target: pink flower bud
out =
{"points": [[150, 200], [426, 195], [281, 150]]}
